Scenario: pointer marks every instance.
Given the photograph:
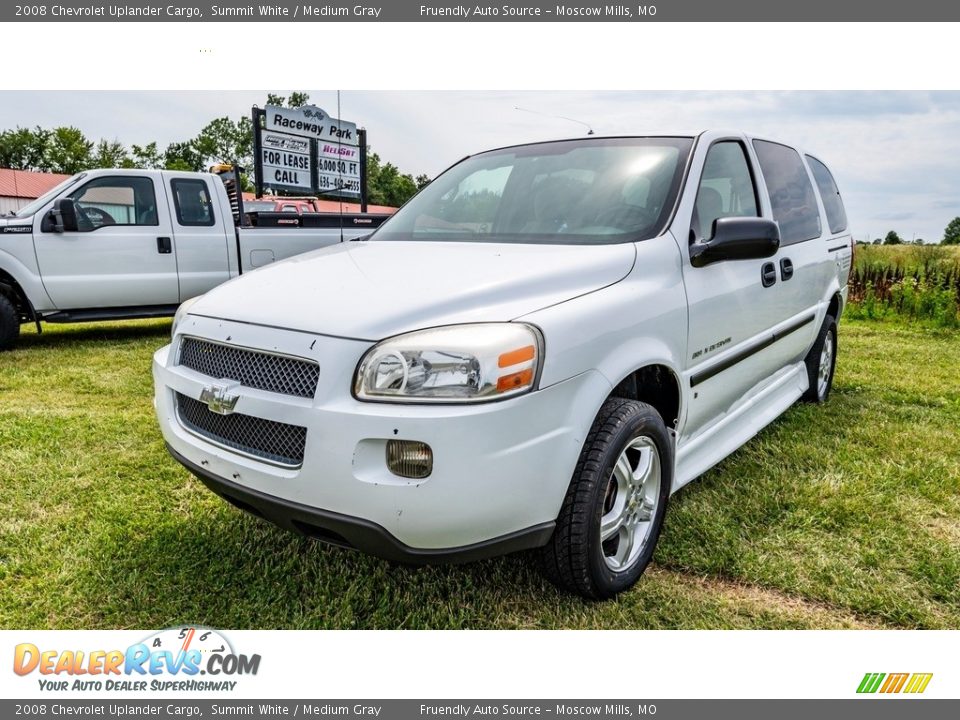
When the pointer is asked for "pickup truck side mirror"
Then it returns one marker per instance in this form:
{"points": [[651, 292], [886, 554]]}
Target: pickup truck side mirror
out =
{"points": [[737, 238], [66, 218]]}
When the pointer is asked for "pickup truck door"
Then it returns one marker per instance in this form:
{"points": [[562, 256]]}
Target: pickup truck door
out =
{"points": [[203, 241], [123, 256], [734, 305]]}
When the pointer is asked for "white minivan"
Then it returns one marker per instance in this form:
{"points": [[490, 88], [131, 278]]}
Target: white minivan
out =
{"points": [[535, 352]]}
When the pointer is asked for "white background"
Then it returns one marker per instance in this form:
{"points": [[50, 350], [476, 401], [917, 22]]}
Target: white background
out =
{"points": [[521, 56]]}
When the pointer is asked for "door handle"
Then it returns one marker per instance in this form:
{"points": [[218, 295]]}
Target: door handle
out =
{"points": [[768, 274], [164, 245], [786, 269]]}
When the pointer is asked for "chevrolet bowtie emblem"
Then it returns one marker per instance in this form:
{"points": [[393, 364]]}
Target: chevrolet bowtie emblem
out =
{"points": [[220, 399]]}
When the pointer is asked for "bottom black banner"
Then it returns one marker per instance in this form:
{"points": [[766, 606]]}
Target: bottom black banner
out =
{"points": [[868, 708]]}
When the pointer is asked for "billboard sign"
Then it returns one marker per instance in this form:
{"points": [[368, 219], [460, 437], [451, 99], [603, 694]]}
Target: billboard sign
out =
{"points": [[304, 150]]}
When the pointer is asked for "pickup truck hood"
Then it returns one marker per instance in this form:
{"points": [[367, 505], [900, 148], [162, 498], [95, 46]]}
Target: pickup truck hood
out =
{"points": [[16, 222], [374, 289]]}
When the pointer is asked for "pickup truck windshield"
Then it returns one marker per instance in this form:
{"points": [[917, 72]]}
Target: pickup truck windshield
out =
{"points": [[591, 191], [31, 208]]}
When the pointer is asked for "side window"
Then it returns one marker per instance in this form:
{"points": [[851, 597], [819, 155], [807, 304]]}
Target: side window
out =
{"points": [[830, 194], [791, 194], [191, 199], [116, 201], [726, 188]]}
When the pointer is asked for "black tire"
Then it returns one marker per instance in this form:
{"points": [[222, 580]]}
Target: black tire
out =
{"points": [[9, 324], [818, 391], [575, 559]]}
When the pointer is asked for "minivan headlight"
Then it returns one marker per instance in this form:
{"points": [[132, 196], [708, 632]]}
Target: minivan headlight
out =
{"points": [[458, 363]]}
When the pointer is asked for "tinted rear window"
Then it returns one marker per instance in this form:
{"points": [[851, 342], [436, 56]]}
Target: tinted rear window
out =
{"points": [[830, 194], [791, 193]]}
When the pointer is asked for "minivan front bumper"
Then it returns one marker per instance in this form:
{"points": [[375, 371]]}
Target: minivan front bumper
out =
{"points": [[500, 473], [358, 533]]}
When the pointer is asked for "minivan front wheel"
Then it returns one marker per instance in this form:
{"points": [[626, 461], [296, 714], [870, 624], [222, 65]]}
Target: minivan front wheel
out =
{"points": [[613, 512], [821, 362]]}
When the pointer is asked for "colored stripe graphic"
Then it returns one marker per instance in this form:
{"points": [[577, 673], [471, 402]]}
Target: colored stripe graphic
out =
{"points": [[918, 682], [894, 683], [870, 682]]}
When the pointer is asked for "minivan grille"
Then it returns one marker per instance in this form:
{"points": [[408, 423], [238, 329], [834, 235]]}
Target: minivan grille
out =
{"points": [[251, 368], [270, 440]]}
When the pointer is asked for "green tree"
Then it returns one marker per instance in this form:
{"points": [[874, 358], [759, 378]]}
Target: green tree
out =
{"points": [[226, 140], [386, 185], [68, 151], [892, 238], [951, 236], [422, 181], [109, 154], [146, 157], [296, 99], [24, 149], [182, 156]]}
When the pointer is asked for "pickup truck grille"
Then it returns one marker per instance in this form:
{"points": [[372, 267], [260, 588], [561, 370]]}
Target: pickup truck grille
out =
{"points": [[254, 369], [269, 440]]}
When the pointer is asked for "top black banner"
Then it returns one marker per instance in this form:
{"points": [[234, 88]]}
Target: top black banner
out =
{"points": [[524, 11]]}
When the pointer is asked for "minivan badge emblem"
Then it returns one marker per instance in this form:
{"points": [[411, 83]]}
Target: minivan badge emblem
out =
{"points": [[220, 399]]}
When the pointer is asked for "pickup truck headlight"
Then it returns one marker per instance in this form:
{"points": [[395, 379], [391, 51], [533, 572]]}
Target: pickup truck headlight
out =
{"points": [[181, 314], [458, 363]]}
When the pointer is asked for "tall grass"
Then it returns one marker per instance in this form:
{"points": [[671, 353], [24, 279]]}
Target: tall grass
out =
{"points": [[912, 282]]}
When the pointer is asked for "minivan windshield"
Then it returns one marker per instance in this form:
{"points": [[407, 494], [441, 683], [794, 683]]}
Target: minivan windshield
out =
{"points": [[590, 191]]}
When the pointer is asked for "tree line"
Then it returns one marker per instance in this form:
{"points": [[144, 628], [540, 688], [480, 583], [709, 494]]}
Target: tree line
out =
{"points": [[67, 150], [951, 236]]}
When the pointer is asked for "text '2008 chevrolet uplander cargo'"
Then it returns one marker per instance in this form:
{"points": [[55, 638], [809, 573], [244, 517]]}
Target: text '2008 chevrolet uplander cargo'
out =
{"points": [[535, 352]]}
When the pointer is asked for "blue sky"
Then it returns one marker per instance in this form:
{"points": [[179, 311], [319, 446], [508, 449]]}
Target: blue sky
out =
{"points": [[894, 154]]}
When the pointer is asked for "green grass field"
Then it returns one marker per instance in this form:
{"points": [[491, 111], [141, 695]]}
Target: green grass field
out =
{"points": [[845, 515]]}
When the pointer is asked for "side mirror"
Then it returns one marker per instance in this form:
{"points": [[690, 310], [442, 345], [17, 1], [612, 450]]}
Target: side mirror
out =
{"points": [[66, 217], [737, 238]]}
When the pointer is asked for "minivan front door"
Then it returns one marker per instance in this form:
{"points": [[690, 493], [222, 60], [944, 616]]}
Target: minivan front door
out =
{"points": [[732, 307]]}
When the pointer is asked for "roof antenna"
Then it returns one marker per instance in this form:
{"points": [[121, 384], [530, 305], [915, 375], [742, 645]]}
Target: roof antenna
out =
{"points": [[560, 117]]}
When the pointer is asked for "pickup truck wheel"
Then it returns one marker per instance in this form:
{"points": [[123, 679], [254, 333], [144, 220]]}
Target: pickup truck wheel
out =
{"points": [[613, 512], [9, 324], [821, 361]]}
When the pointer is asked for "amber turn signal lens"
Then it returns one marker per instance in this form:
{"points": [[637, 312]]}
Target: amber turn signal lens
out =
{"points": [[515, 380], [515, 357]]}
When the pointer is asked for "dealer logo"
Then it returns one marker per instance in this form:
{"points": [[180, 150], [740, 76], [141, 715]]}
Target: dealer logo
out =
{"points": [[170, 660]]}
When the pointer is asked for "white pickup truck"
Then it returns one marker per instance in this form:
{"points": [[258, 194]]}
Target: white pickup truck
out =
{"points": [[120, 244], [535, 352]]}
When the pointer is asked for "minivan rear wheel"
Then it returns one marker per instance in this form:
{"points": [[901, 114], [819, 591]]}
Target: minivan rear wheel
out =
{"points": [[613, 512]]}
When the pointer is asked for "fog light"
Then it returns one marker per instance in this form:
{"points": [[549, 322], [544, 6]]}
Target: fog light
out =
{"points": [[409, 459]]}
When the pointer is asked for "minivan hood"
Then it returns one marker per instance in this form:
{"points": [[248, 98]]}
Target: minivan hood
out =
{"points": [[375, 289]]}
